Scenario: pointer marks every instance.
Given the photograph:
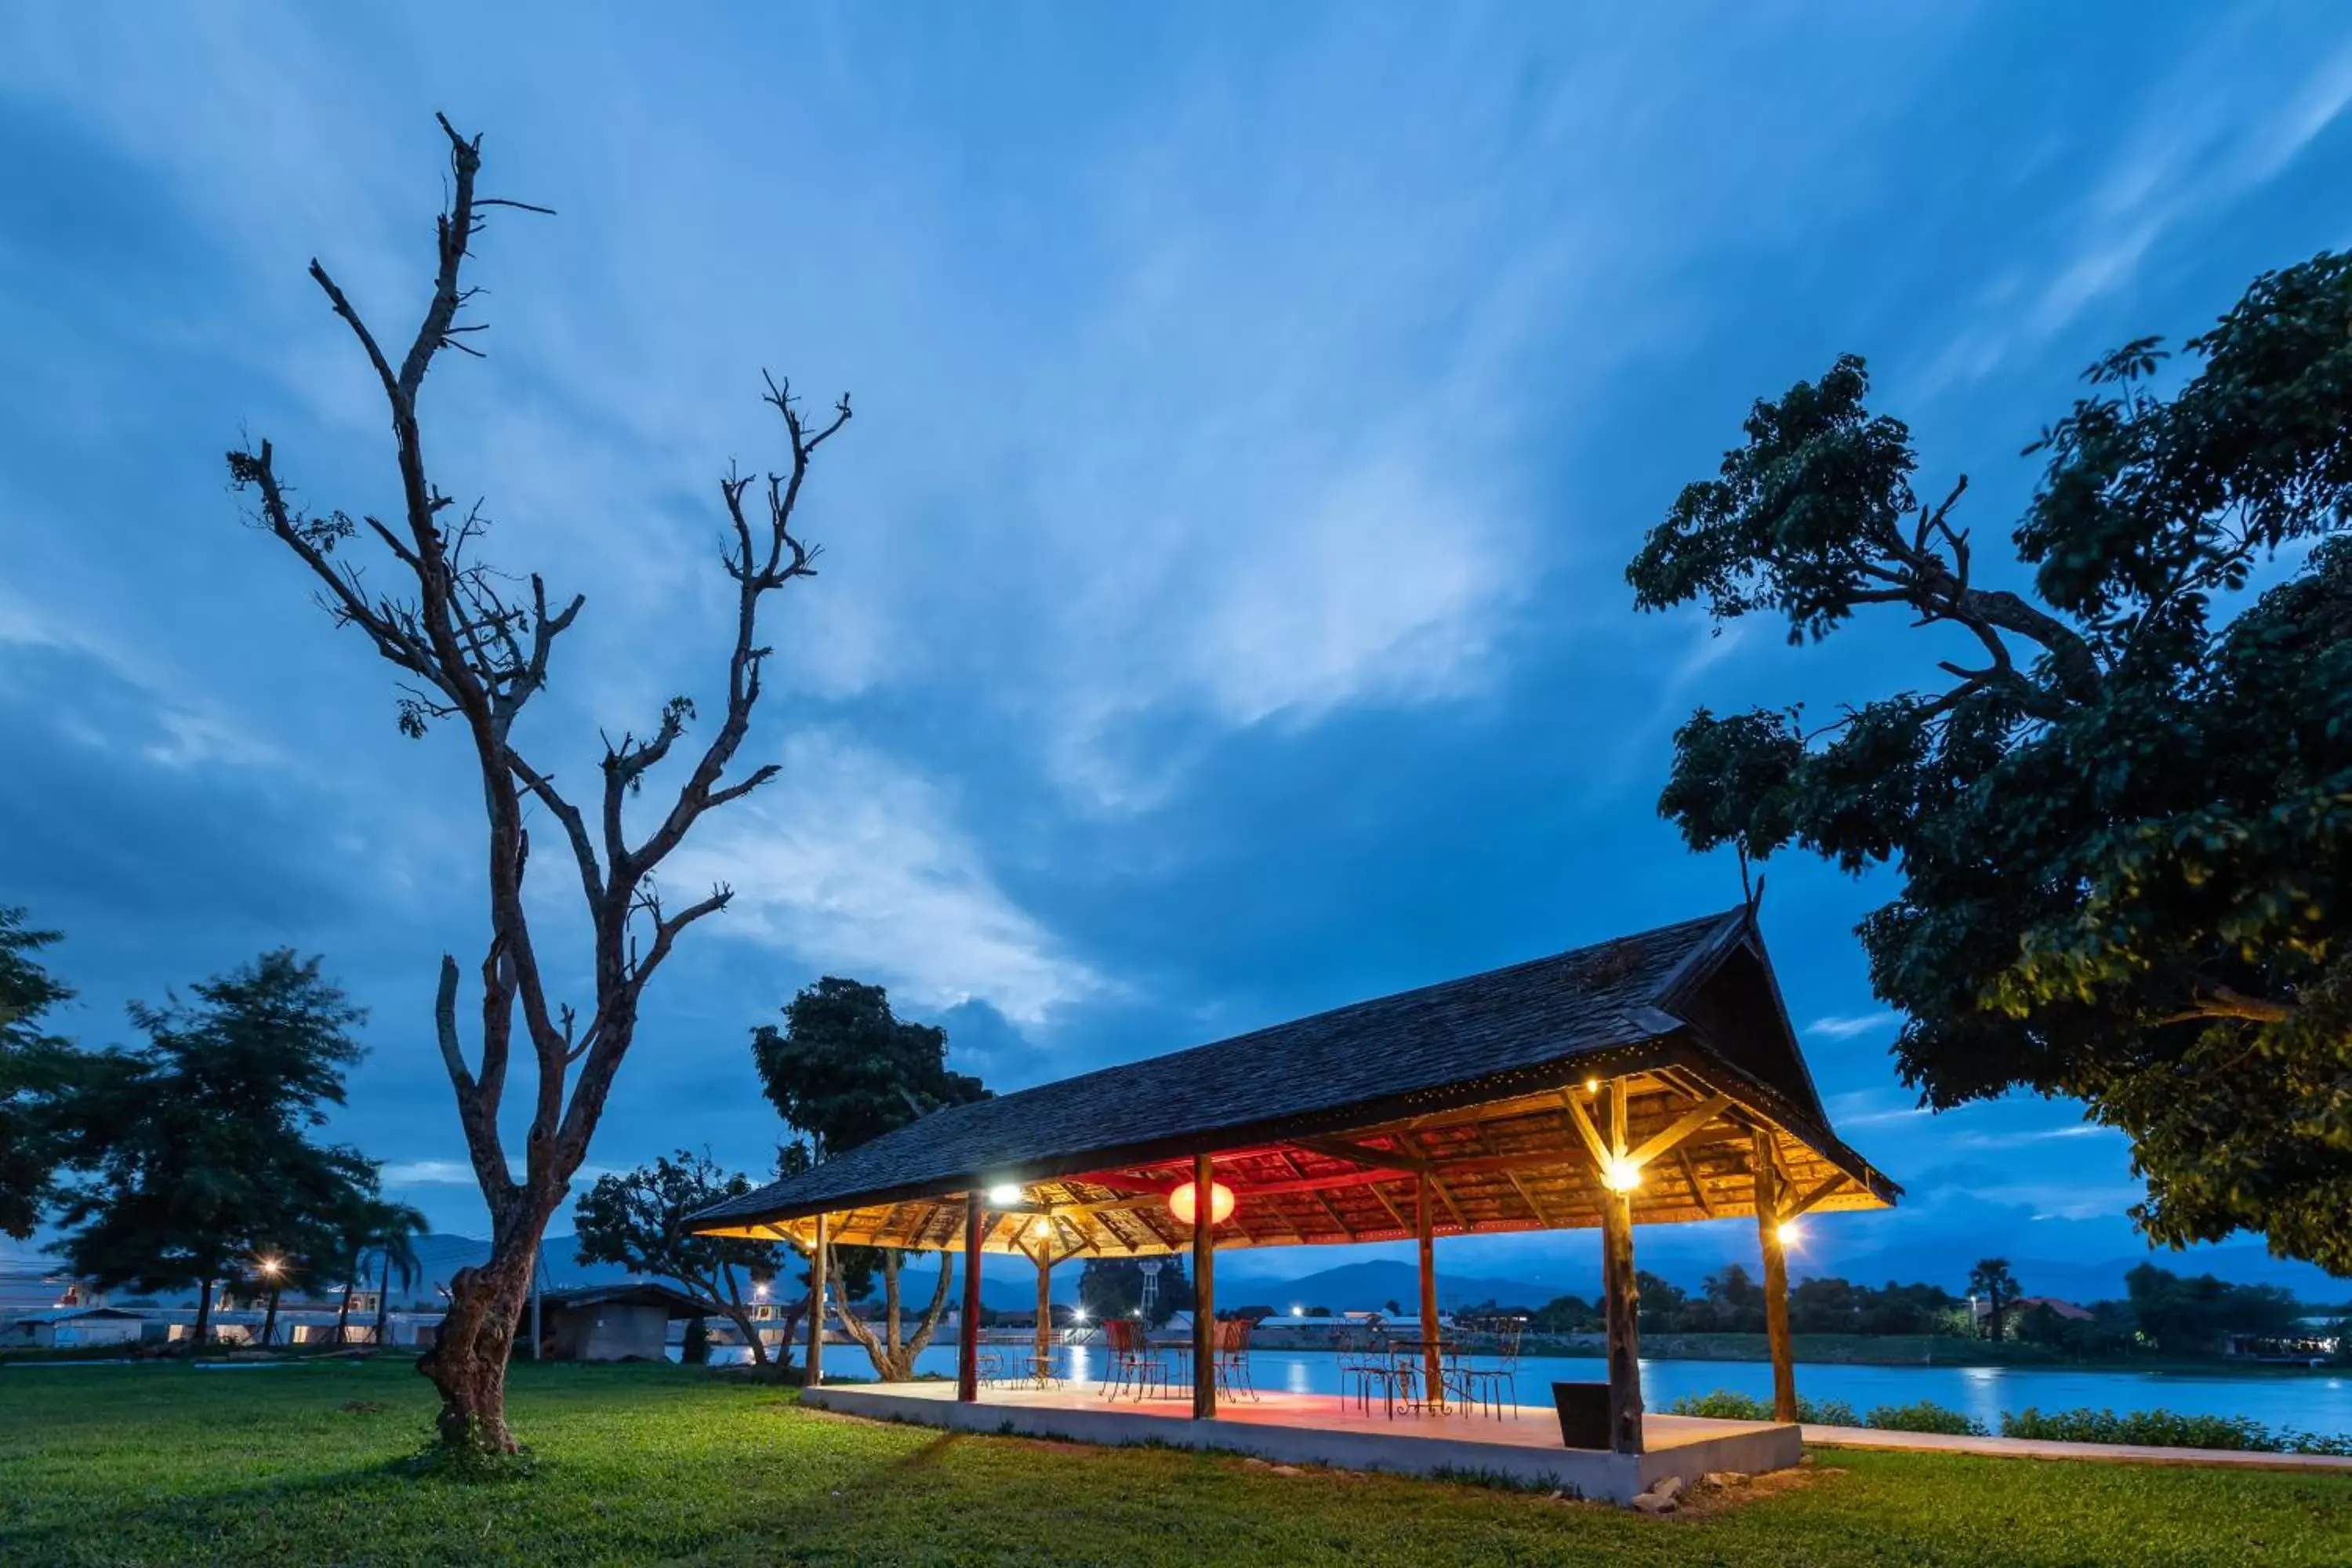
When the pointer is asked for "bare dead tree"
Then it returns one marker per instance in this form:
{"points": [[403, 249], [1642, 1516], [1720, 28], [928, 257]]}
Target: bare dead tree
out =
{"points": [[475, 650]]}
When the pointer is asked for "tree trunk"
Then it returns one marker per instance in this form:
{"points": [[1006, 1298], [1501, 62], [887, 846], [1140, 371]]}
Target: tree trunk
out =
{"points": [[929, 1323], [384, 1299], [344, 1315], [749, 1327], [468, 1362], [204, 1311], [270, 1320]]}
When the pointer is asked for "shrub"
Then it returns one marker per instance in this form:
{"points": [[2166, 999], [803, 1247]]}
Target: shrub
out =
{"points": [[1726, 1404], [2144, 1428], [1723, 1404], [1925, 1415]]}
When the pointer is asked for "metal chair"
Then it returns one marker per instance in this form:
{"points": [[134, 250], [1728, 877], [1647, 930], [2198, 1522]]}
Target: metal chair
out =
{"points": [[1129, 1360], [1233, 1360], [1493, 1387], [1371, 1362]]}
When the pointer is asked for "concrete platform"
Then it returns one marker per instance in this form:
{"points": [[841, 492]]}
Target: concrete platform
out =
{"points": [[1523, 1445]]}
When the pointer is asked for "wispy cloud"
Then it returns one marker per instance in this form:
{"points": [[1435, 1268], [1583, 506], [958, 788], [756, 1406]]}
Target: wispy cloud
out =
{"points": [[2203, 137], [849, 862], [1851, 1026]]}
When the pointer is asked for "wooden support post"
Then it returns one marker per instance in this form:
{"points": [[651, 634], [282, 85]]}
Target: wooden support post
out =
{"points": [[968, 1321], [1204, 1295], [1433, 1362], [1776, 1280], [1045, 1346], [814, 1373], [1623, 1307], [1622, 1299]]}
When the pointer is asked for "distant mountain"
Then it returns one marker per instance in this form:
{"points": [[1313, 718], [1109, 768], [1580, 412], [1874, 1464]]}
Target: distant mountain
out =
{"points": [[1370, 1285], [2080, 1280]]}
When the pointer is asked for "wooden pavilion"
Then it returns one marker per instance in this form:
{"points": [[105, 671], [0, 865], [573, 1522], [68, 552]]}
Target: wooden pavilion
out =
{"points": [[1650, 1080]]}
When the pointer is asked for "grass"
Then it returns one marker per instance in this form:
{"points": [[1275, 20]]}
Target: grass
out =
{"points": [[304, 1464]]}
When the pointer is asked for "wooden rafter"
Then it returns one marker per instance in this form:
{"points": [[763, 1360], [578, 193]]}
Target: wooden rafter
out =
{"points": [[1697, 1183], [1340, 1148], [1675, 1133]]}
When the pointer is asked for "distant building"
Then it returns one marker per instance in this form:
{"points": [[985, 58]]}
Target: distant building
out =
{"points": [[2011, 1311], [66, 1328], [614, 1322]]}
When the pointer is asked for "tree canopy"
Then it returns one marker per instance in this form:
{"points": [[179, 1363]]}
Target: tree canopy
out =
{"points": [[194, 1151], [2122, 824], [638, 1219], [1991, 1279], [34, 1066], [844, 1069]]}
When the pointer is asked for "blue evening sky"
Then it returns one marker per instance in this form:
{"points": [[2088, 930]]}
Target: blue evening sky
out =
{"points": [[1222, 613]]}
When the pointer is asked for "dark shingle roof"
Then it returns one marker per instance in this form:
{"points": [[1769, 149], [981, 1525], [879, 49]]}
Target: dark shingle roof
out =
{"points": [[1320, 1073]]}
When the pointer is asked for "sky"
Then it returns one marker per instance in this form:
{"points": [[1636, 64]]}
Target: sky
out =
{"points": [[1221, 614]]}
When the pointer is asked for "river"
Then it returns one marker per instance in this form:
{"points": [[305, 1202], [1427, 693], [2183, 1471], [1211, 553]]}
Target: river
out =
{"points": [[2315, 1402]]}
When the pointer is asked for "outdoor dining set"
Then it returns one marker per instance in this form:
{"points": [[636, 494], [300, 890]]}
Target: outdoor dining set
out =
{"points": [[1476, 1359]]}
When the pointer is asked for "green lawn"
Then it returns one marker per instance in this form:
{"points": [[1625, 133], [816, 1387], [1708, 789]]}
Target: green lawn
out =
{"points": [[147, 1464]]}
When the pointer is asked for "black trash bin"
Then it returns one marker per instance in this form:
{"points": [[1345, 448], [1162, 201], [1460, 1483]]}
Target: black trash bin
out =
{"points": [[1584, 1413]]}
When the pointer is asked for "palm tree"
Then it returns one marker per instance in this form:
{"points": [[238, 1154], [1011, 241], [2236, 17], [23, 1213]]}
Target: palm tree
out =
{"points": [[1991, 1279], [391, 1230]]}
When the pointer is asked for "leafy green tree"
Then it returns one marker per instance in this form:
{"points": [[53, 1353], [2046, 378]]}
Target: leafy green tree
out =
{"points": [[638, 1219], [1661, 1301], [1991, 1279], [2192, 1316], [1566, 1315], [1113, 1287], [844, 1069], [2122, 821], [34, 1069], [195, 1150]]}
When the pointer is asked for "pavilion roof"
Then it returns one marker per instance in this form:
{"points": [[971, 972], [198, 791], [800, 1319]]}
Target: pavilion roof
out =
{"points": [[1310, 1121]]}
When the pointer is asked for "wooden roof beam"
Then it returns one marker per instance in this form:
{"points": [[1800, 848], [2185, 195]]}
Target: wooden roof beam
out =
{"points": [[1379, 1159], [1681, 1128]]}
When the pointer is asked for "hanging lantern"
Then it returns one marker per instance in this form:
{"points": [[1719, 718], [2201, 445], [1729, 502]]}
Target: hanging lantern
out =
{"points": [[1184, 1206]]}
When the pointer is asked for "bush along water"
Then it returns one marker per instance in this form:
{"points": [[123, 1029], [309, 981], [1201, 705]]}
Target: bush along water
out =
{"points": [[1926, 1415], [2167, 1429], [2136, 1428], [1724, 1405]]}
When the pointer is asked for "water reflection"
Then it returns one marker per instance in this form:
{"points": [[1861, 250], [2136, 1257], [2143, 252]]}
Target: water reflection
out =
{"points": [[2314, 1404]]}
